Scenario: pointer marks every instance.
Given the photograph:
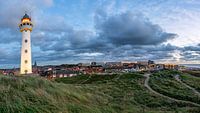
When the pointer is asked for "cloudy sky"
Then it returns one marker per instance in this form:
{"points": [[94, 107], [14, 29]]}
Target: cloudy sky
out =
{"points": [[73, 31]]}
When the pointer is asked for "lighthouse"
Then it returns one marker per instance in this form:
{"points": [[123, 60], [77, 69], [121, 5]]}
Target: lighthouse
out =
{"points": [[26, 29]]}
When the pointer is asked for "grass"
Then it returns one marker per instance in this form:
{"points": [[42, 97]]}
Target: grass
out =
{"points": [[165, 83], [194, 73], [84, 94], [126, 93], [191, 81], [33, 94]]}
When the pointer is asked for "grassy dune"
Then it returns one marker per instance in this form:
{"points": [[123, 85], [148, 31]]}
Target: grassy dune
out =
{"points": [[165, 83], [194, 73], [84, 94], [33, 94], [127, 94], [191, 81]]}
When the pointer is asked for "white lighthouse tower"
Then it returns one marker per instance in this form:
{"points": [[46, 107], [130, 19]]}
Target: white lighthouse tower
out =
{"points": [[26, 28]]}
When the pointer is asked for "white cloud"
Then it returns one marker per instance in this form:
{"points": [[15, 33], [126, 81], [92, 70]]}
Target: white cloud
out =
{"points": [[90, 54], [49, 2]]}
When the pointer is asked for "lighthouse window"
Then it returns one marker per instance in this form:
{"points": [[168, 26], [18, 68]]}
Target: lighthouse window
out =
{"points": [[26, 41], [26, 61], [20, 24], [27, 23], [25, 71], [26, 51], [24, 24], [31, 24]]}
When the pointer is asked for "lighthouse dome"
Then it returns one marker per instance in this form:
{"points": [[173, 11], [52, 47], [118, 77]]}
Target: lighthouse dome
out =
{"points": [[26, 16]]}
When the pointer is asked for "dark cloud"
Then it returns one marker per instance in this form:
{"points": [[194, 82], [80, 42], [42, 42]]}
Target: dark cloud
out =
{"points": [[190, 56], [8, 36], [190, 53], [192, 48], [9, 55], [112, 32], [164, 48], [131, 29]]}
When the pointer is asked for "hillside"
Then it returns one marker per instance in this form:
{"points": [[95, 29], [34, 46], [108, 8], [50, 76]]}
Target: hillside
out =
{"points": [[94, 94]]}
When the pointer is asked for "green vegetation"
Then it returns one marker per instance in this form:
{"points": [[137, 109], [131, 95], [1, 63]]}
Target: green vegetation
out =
{"points": [[86, 94], [194, 73], [34, 94], [165, 83], [191, 81], [127, 94], [86, 79]]}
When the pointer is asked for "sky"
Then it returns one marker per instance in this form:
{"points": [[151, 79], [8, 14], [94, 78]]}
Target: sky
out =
{"points": [[73, 31]]}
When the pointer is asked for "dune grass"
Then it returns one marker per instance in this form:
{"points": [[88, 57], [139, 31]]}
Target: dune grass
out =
{"points": [[127, 94], [84, 94], [191, 81], [34, 94], [165, 83], [194, 73]]}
